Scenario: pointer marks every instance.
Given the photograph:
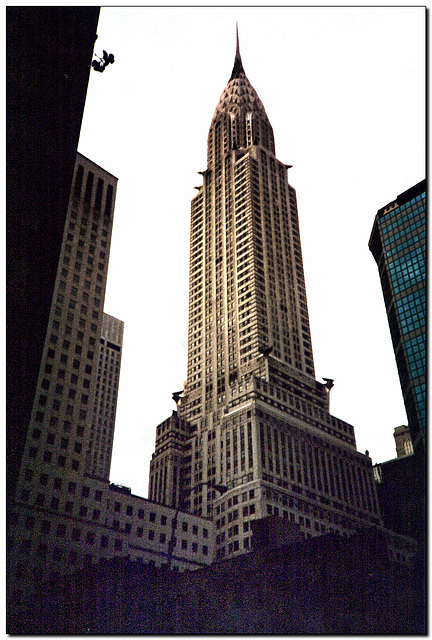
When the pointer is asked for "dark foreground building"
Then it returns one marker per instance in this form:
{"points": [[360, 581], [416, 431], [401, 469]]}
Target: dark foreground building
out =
{"points": [[327, 585], [49, 53], [398, 244]]}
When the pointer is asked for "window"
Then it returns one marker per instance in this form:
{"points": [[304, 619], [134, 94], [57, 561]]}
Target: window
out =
{"points": [[152, 517], [45, 526], [108, 201], [99, 189], [57, 553], [89, 187], [25, 546], [90, 538]]}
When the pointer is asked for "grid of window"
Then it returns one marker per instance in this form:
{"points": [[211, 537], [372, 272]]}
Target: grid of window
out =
{"points": [[411, 311], [407, 270], [403, 273], [54, 456], [108, 373], [416, 355]]}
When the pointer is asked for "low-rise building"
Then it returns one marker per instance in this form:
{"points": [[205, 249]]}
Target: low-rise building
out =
{"points": [[344, 584], [96, 521]]}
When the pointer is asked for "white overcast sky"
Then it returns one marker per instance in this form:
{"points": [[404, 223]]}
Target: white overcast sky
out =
{"points": [[344, 89]]}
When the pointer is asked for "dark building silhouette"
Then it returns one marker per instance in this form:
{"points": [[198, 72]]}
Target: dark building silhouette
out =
{"points": [[328, 585], [398, 244], [49, 52]]}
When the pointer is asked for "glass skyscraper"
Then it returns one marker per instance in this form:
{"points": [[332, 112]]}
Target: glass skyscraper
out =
{"points": [[398, 244]]}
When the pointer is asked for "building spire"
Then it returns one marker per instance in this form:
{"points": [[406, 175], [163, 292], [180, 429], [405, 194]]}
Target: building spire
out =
{"points": [[237, 42], [238, 66]]}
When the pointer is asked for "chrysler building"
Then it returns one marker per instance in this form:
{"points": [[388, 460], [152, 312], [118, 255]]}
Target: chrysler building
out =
{"points": [[251, 415]]}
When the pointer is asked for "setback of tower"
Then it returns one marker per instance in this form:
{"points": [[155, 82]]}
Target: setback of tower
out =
{"points": [[251, 415]]}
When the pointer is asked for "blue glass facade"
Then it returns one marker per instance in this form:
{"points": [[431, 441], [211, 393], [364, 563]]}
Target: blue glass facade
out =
{"points": [[398, 244]]}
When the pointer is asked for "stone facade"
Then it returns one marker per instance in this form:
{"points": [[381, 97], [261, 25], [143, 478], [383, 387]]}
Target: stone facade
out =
{"points": [[251, 415], [66, 514], [108, 377]]}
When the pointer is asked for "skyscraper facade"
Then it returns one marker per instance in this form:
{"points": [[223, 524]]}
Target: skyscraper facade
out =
{"points": [[108, 377], [66, 514], [59, 437], [398, 244], [251, 415]]}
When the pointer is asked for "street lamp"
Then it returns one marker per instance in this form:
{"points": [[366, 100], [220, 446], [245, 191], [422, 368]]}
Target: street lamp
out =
{"points": [[172, 543]]}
